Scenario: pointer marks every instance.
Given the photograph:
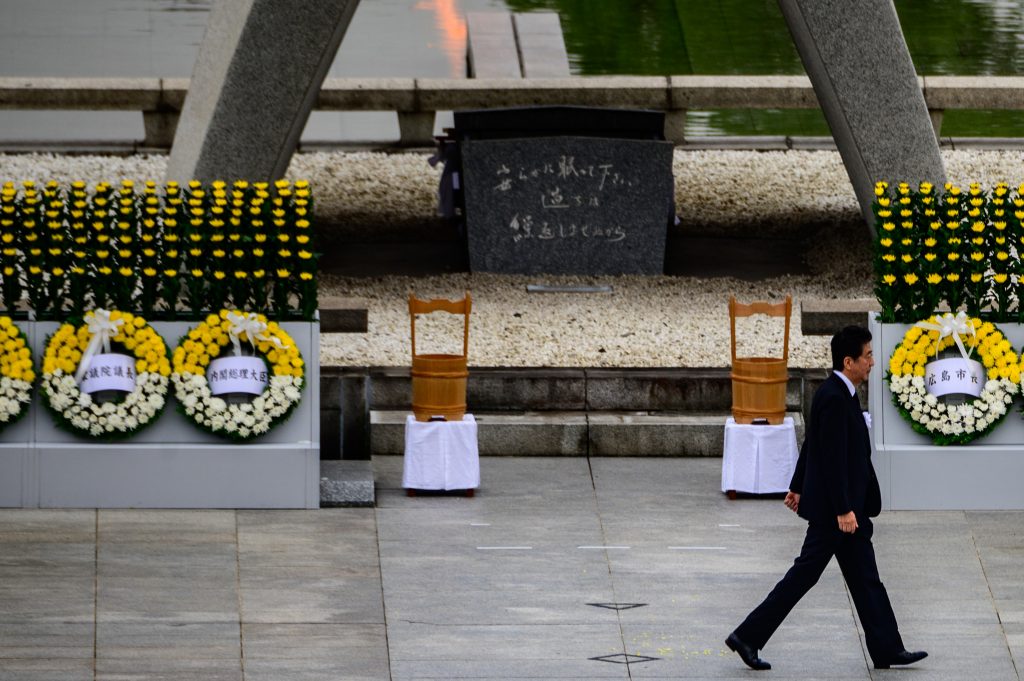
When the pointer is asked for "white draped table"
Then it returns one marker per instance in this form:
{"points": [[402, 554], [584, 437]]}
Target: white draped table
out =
{"points": [[759, 459], [441, 455]]}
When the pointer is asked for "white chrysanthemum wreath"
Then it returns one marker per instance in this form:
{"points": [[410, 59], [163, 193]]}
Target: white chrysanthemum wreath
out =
{"points": [[250, 418], [68, 362], [909, 377], [16, 373]]}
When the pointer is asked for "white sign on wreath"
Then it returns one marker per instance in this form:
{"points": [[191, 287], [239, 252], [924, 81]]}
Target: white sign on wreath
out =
{"points": [[954, 375], [237, 375], [109, 371]]}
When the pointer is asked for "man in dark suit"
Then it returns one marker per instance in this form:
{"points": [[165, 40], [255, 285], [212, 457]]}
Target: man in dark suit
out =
{"points": [[835, 490]]}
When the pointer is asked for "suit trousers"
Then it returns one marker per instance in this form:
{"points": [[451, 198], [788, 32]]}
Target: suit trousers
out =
{"points": [[856, 558]]}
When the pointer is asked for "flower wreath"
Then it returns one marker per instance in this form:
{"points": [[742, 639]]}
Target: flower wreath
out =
{"points": [[270, 342], [67, 359], [16, 373], [953, 424]]}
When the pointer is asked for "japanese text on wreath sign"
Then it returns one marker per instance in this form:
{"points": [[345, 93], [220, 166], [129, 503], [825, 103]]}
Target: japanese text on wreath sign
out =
{"points": [[559, 187]]}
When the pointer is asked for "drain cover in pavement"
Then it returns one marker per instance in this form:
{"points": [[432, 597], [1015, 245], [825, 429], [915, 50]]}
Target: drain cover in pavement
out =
{"points": [[624, 658], [618, 606]]}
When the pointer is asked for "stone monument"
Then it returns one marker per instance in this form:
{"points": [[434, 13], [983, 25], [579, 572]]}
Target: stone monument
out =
{"points": [[859, 64], [568, 205], [260, 68]]}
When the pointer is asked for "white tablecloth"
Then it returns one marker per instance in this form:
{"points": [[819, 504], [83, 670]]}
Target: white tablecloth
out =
{"points": [[759, 459], [441, 454]]}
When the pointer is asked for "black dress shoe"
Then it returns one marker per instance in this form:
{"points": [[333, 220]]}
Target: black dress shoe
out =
{"points": [[902, 657], [746, 653]]}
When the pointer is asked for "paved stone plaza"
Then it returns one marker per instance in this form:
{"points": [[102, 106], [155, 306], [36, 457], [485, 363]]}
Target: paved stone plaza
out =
{"points": [[521, 581]]}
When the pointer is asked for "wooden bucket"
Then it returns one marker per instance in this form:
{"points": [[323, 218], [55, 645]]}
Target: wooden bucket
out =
{"points": [[759, 383], [439, 381], [759, 389], [439, 386]]}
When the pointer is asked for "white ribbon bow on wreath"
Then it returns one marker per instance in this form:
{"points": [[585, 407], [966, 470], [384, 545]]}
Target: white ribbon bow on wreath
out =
{"points": [[955, 326], [102, 328], [252, 327]]}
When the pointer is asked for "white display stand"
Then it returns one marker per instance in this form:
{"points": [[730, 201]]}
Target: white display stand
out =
{"points": [[915, 474], [172, 463], [759, 459], [441, 455]]}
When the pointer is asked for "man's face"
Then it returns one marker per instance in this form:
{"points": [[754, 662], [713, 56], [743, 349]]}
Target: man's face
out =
{"points": [[857, 370]]}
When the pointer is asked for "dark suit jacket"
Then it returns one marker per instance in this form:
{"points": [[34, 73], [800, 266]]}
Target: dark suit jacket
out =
{"points": [[834, 474]]}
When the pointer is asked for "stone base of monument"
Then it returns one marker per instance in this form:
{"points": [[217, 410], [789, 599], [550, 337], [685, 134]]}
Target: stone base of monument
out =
{"points": [[914, 474], [171, 463]]}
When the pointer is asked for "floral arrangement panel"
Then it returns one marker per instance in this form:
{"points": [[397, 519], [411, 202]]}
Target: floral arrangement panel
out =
{"points": [[174, 252]]}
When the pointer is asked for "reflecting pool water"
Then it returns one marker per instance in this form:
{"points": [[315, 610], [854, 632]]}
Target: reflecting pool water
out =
{"points": [[427, 38]]}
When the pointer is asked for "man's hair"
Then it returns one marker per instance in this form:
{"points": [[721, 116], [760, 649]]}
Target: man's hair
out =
{"points": [[850, 343]]}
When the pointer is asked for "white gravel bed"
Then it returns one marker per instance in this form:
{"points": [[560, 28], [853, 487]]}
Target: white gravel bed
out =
{"points": [[644, 321]]}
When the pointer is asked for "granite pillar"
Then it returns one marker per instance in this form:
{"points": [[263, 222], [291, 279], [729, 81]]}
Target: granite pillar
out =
{"points": [[859, 64], [259, 71]]}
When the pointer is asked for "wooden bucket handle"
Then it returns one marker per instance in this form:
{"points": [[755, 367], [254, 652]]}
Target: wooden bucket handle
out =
{"points": [[783, 309], [463, 307]]}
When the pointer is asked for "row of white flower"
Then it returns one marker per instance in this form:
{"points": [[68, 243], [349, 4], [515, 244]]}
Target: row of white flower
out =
{"points": [[241, 420], [974, 416], [85, 414]]}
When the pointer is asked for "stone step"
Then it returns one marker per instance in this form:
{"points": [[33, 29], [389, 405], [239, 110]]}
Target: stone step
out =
{"points": [[346, 483], [578, 433], [562, 389]]}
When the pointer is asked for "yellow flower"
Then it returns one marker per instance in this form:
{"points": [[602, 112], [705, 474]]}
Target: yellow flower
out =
{"points": [[910, 278], [1000, 278], [934, 278]]}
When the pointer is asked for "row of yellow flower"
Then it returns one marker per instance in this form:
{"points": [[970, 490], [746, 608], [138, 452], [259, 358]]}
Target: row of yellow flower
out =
{"points": [[204, 343], [69, 342]]}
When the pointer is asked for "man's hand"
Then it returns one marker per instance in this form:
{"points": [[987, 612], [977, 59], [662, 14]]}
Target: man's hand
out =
{"points": [[848, 523], [792, 501]]}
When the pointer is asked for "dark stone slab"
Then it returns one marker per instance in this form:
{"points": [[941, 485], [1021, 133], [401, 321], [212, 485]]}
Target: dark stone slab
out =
{"points": [[671, 390], [499, 390], [826, 317], [859, 64], [343, 315], [567, 205]]}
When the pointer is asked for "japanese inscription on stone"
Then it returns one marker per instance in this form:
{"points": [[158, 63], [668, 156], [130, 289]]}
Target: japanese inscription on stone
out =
{"points": [[567, 205]]}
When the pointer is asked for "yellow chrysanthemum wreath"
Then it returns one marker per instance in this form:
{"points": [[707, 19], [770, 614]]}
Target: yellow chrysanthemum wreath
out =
{"points": [[68, 347], [953, 424], [207, 341], [16, 373]]}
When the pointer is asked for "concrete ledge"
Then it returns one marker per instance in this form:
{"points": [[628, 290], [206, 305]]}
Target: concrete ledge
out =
{"points": [[627, 91], [574, 433], [433, 94], [524, 434], [80, 93], [367, 94], [641, 434], [671, 390], [772, 92], [346, 483], [977, 92], [826, 317]]}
